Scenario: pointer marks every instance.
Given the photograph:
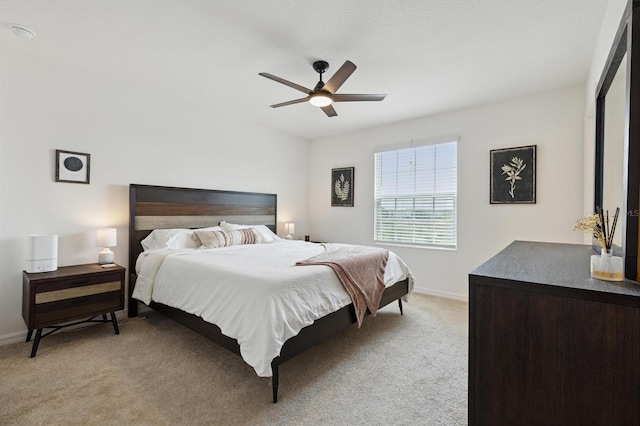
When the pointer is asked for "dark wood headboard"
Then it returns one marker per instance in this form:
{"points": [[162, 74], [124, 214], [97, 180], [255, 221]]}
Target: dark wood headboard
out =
{"points": [[165, 207]]}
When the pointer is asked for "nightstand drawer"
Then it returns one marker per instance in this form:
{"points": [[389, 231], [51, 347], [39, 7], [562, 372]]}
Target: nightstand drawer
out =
{"points": [[70, 309], [73, 292], [69, 283]]}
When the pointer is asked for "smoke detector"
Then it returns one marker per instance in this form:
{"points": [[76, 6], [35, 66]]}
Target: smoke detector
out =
{"points": [[22, 32]]}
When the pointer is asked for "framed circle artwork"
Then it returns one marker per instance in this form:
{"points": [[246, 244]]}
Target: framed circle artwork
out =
{"points": [[72, 166]]}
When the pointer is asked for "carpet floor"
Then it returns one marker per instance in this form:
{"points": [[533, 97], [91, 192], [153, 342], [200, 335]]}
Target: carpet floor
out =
{"points": [[395, 370]]}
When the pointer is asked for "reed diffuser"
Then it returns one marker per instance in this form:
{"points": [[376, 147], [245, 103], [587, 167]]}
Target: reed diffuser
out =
{"points": [[604, 266]]}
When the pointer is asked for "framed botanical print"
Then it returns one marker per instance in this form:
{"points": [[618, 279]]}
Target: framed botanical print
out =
{"points": [[513, 175], [342, 187], [72, 167]]}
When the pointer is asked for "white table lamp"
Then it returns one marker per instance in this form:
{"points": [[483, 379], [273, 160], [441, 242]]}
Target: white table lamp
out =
{"points": [[106, 237], [290, 229]]}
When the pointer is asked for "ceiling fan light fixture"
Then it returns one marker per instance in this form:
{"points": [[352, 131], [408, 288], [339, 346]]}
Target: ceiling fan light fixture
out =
{"points": [[320, 99]]}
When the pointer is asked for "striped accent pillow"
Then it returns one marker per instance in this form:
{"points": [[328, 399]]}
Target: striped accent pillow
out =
{"points": [[215, 239]]}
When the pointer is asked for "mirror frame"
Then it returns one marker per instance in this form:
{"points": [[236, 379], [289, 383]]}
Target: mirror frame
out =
{"points": [[627, 40]]}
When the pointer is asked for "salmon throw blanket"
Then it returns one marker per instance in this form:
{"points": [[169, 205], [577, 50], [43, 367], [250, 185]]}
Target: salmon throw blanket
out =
{"points": [[361, 271]]}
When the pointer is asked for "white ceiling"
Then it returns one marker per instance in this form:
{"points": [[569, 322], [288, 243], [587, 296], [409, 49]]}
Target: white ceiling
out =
{"points": [[428, 56]]}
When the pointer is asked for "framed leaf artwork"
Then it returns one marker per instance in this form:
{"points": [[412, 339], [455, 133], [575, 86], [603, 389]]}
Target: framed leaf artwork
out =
{"points": [[342, 187], [513, 175]]}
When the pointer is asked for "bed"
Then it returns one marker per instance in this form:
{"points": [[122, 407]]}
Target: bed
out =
{"points": [[158, 207]]}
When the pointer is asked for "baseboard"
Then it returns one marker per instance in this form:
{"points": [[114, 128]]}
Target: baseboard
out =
{"points": [[8, 339], [439, 293], [21, 336]]}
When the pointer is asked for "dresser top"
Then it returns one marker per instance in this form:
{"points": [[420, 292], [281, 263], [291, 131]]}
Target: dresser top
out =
{"points": [[553, 264]]}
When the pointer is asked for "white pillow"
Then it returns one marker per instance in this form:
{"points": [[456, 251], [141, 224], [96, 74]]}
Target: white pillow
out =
{"points": [[226, 226], [159, 238], [210, 228], [266, 235], [173, 239]]}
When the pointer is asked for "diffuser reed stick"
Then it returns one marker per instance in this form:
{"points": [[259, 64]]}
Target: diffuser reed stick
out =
{"points": [[607, 232], [598, 226]]}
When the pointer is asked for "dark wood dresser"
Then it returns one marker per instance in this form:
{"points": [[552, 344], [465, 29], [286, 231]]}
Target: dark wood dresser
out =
{"points": [[548, 344]]}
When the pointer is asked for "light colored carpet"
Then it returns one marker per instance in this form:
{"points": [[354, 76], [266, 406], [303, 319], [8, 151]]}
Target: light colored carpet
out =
{"points": [[409, 369]]}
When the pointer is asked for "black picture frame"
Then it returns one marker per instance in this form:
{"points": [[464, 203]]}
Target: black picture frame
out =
{"points": [[73, 167], [342, 187], [513, 175]]}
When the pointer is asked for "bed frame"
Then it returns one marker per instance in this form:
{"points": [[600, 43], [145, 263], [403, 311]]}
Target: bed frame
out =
{"points": [[161, 207]]}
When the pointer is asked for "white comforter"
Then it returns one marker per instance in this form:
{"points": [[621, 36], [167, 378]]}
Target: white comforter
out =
{"points": [[254, 293]]}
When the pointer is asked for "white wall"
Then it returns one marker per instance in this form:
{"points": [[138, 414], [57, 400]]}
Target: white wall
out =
{"points": [[552, 121], [133, 137]]}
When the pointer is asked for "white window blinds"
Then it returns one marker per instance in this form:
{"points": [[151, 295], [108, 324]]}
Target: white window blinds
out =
{"points": [[416, 195]]}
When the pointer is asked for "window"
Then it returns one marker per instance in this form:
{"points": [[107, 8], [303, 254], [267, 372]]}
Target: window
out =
{"points": [[416, 195]]}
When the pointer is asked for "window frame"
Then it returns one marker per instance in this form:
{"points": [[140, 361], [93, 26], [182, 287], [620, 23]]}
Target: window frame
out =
{"points": [[434, 196]]}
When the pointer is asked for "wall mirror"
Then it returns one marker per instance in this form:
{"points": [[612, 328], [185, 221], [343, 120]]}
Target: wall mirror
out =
{"points": [[617, 159]]}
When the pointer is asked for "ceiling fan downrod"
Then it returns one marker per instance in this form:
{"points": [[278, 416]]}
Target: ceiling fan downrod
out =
{"points": [[320, 67]]}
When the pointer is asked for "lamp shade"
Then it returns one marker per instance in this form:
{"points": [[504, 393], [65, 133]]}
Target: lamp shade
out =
{"points": [[106, 237], [290, 228]]}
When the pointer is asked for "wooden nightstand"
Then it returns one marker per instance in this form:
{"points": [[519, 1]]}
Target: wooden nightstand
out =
{"points": [[69, 294]]}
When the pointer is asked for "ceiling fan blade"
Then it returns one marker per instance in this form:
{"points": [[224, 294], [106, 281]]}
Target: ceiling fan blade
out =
{"points": [[295, 101], [339, 77], [329, 111], [357, 98], [286, 82]]}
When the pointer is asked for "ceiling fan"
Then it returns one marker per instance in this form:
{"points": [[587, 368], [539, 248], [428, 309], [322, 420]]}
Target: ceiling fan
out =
{"points": [[324, 94]]}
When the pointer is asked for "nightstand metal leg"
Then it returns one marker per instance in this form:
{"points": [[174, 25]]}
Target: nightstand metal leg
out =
{"points": [[29, 334], [36, 342], [104, 317], [115, 323], [400, 305]]}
